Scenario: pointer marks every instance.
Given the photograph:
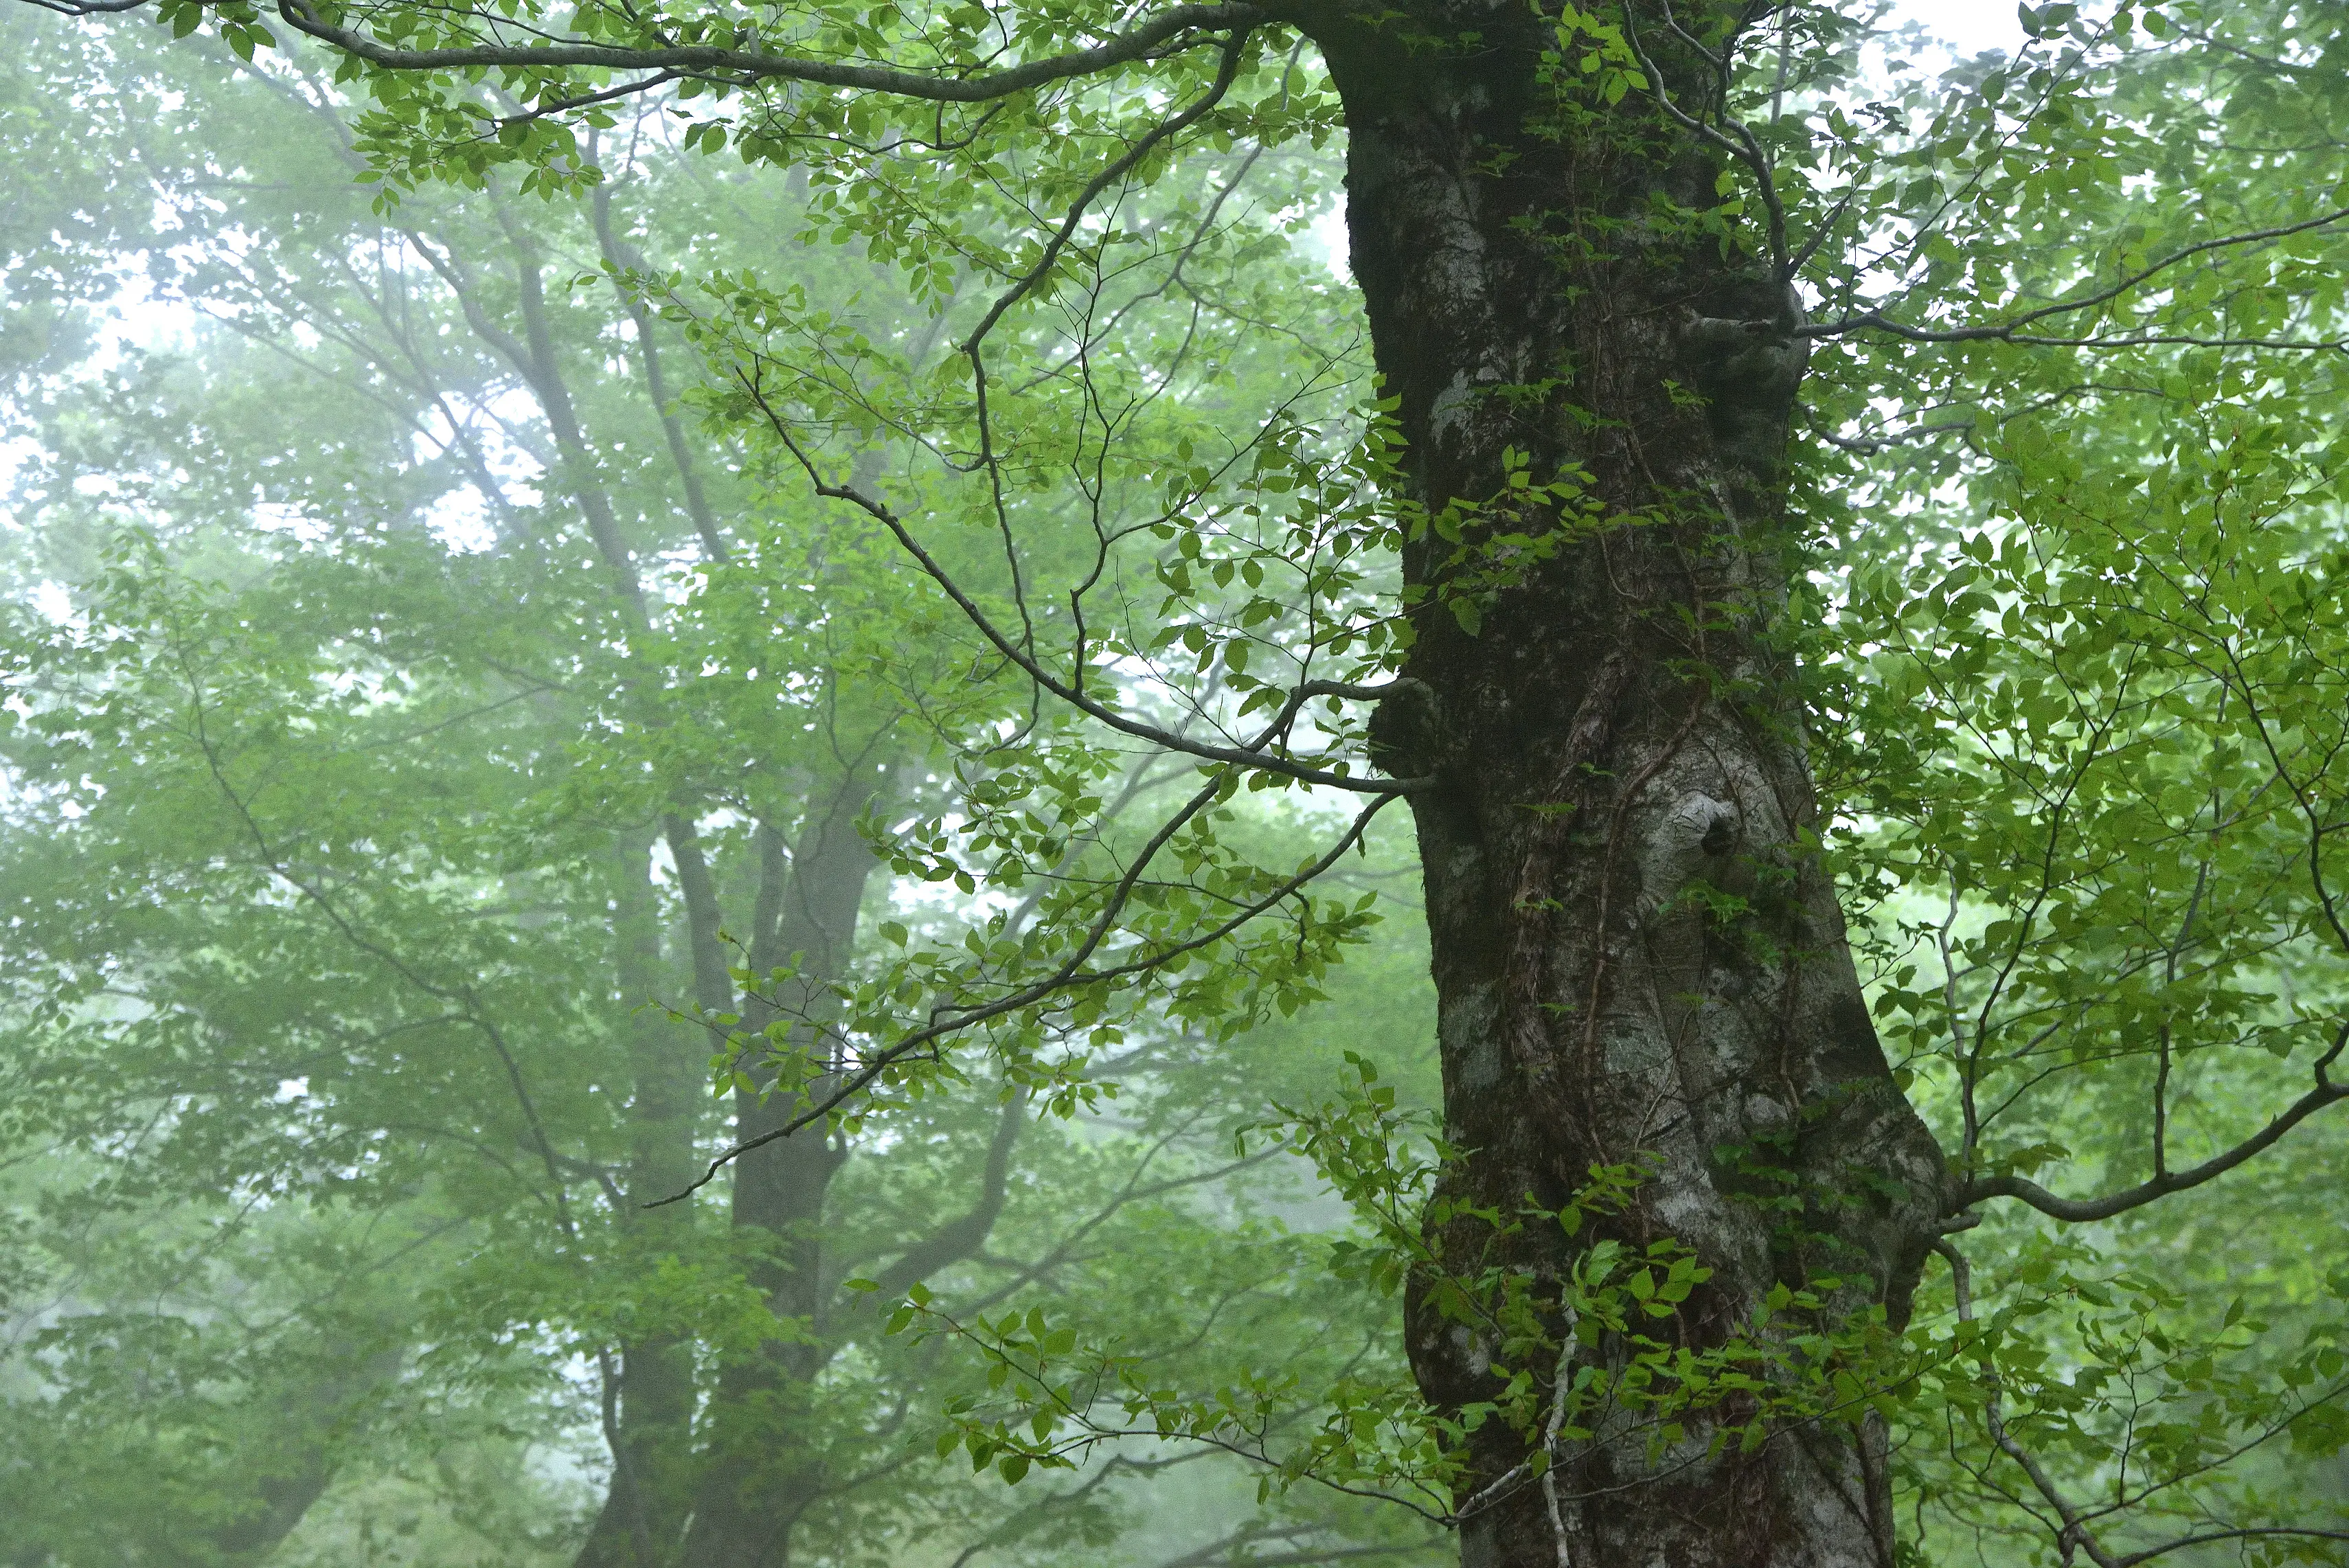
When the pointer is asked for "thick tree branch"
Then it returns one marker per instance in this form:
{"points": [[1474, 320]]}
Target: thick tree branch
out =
{"points": [[963, 1235], [2163, 1184], [713, 988], [749, 65], [623, 260], [2012, 330]]}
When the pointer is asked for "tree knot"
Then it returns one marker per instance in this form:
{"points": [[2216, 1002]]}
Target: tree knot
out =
{"points": [[1406, 731]]}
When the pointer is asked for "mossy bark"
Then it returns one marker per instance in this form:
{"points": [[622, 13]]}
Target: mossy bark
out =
{"points": [[1637, 952]]}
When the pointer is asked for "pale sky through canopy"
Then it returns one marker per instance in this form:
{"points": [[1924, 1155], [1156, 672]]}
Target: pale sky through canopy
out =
{"points": [[1969, 27]]}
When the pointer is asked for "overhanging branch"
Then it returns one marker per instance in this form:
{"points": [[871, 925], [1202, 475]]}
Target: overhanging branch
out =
{"points": [[1252, 756], [2161, 1185], [1070, 975], [2014, 330], [748, 65]]}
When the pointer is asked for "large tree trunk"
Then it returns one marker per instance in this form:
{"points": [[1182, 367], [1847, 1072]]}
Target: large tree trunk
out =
{"points": [[1635, 951], [761, 1471]]}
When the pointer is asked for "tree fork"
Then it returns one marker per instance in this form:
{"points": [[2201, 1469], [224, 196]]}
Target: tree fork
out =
{"points": [[1636, 951], [757, 1473]]}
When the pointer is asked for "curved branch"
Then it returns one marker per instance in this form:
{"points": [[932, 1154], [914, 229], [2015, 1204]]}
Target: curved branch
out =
{"points": [[1226, 71], [1072, 973], [1744, 146], [2013, 331], [1252, 757], [624, 260], [2075, 1534], [2081, 1209], [963, 1235], [2133, 1558], [748, 66], [938, 1028]]}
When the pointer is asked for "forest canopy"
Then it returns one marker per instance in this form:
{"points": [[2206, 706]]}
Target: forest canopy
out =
{"points": [[1186, 784]]}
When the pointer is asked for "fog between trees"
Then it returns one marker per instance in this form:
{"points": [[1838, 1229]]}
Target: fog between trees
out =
{"points": [[796, 805]]}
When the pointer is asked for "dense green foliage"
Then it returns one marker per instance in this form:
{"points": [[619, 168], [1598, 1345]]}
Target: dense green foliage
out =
{"points": [[478, 556], [2089, 725], [347, 974]]}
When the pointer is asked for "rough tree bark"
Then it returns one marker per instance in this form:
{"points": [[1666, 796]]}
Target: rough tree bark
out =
{"points": [[1614, 737]]}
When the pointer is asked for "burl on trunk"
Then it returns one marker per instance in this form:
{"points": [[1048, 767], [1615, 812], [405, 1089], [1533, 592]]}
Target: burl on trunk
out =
{"points": [[1637, 954]]}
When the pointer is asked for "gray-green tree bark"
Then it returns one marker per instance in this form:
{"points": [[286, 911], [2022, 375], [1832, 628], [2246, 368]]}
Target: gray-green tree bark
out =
{"points": [[1636, 951]]}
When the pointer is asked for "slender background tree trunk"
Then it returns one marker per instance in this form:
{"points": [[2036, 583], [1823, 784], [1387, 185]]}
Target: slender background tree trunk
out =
{"points": [[1636, 952], [644, 1508], [760, 1470]]}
